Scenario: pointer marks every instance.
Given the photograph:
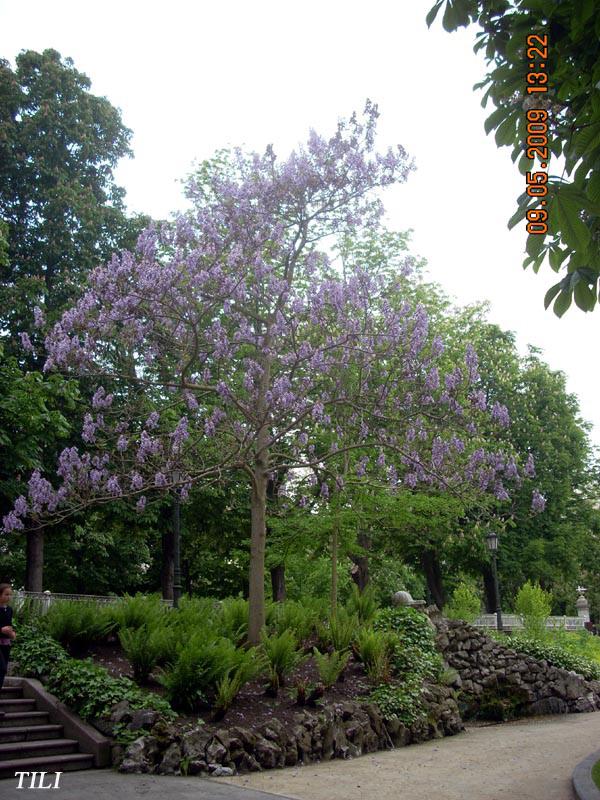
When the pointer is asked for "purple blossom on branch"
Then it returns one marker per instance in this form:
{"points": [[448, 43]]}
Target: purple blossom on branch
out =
{"points": [[538, 502]]}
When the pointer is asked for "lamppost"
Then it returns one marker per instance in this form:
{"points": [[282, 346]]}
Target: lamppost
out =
{"points": [[491, 541], [176, 476]]}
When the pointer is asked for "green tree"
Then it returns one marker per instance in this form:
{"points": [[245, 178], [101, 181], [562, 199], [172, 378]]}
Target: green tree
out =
{"points": [[569, 106], [34, 420], [546, 423], [61, 213], [61, 206]]}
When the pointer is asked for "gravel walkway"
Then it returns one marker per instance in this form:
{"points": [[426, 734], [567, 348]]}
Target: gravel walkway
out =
{"points": [[525, 760]]}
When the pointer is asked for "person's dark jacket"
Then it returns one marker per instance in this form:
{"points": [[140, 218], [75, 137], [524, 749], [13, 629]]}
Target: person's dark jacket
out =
{"points": [[6, 616]]}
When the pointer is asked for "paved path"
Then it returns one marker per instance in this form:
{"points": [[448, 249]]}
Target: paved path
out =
{"points": [[525, 760], [108, 784]]}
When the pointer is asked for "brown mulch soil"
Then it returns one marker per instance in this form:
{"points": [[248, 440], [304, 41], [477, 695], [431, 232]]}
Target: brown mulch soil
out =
{"points": [[253, 706]]}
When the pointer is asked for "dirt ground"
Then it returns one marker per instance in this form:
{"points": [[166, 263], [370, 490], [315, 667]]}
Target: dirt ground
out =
{"points": [[523, 760]]}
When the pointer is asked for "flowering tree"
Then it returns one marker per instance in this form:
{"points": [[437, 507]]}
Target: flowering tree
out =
{"points": [[250, 345]]}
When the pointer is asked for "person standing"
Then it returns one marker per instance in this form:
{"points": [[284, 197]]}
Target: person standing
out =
{"points": [[7, 633]]}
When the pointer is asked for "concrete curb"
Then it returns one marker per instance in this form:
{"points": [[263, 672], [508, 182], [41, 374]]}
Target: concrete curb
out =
{"points": [[584, 786], [91, 740]]}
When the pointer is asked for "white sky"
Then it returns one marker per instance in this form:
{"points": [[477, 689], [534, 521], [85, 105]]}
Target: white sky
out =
{"points": [[190, 77]]}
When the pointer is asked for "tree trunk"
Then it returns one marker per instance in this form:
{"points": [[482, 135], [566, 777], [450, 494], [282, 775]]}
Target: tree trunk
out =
{"points": [[334, 570], [489, 589], [430, 564], [34, 565], [360, 571], [187, 576], [167, 572], [278, 583], [258, 535]]}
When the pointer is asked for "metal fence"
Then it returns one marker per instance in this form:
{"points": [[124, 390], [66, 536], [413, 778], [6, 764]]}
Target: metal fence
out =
{"points": [[43, 600], [514, 621]]}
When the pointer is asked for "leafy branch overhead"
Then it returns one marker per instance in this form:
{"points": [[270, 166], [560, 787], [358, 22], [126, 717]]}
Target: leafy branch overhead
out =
{"points": [[572, 243]]}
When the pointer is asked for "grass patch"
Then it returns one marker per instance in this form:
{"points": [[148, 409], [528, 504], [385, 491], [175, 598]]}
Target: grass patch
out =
{"points": [[596, 774]]}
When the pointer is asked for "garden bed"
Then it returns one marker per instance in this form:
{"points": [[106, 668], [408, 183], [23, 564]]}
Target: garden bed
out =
{"points": [[253, 707]]}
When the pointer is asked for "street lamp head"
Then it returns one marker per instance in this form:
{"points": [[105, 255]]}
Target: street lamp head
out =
{"points": [[175, 475], [491, 541]]}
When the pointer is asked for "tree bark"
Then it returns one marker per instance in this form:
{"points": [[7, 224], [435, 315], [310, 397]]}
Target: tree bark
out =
{"points": [[278, 583], [430, 564], [258, 535], [34, 565], [167, 572], [360, 571], [187, 576]]}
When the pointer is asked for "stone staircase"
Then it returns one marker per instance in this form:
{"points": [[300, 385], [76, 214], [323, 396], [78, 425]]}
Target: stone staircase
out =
{"points": [[31, 741]]}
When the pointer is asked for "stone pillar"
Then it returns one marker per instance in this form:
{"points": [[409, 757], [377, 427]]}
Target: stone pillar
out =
{"points": [[583, 608]]}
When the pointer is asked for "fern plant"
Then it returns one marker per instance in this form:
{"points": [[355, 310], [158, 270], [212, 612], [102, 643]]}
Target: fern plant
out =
{"points": [[331, 666], [374, 649], [192, 680], [145, 649], [362, 604], [138, 610], [76, 624], [228, 689], [233, 619], [340, 630], [292, 616], [282, 657]]}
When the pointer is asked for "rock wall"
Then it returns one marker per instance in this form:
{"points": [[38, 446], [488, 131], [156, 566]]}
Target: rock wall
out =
{"points": [[339, 730], [497, 682]]}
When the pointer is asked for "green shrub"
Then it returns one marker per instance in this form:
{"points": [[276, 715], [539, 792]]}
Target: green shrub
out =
{"points": [[201, 664], [401, 702], [554, 654], [36, 652], [133, 612], [282, 657], [309, 577], [340, 631], [534, 605], [331, 666], [146, 648], [229, 686], [464, 604], [362, 604], [29, 611], [388, 575], [374, 649], [580, 643], [90, 691], [76, 624], [232, 620], [85, 687], [192, 614], [414, 650], [227, 690], [292, 616]]}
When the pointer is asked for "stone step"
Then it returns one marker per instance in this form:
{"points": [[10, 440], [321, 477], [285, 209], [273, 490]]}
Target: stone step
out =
{"points": [[27, 733], [23, 718], [60, 763], [17, 704], [10, 692], [11, 751]]}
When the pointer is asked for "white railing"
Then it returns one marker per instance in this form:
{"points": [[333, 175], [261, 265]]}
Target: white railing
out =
{"points": [[514, 621], [45, 599]]}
